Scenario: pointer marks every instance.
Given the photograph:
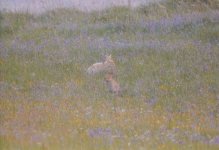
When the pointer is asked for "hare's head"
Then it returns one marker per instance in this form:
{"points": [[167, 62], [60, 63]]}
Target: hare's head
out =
{"points": [[109, 61], [108, 77]]}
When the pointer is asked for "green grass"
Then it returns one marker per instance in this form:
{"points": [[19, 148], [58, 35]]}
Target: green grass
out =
{"points": [[166, 66]]}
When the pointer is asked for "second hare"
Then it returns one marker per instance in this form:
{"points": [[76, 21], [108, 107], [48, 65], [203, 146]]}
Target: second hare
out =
{"points": [[101, 66], [111, 84]]}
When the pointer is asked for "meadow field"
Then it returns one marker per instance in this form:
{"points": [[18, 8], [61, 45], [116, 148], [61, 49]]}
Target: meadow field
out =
{"points": [[167, 65]]}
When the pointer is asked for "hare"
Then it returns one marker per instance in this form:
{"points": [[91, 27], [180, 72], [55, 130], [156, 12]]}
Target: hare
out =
{"points": [[101, 66], [111, 84]]}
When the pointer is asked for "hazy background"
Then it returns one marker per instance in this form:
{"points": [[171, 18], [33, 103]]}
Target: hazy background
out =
{"points": [[38, 6]]}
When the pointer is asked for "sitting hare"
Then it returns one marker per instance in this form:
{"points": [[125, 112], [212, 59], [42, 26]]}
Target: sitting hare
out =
{"points": [[101, 66], [111, 84]]}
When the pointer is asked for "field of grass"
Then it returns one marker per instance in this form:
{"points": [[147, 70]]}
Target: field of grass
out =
{"points": [[167, 65]]}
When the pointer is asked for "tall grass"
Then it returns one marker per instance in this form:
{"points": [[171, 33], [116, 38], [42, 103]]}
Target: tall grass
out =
{"points": [[166, 64]]}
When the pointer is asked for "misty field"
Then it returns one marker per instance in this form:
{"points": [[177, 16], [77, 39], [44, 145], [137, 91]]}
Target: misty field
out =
{"points": [[167, 65]]}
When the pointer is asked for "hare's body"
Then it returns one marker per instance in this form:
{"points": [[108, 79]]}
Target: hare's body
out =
{"points": [[101, 66], [112, 85], [98, 67]]}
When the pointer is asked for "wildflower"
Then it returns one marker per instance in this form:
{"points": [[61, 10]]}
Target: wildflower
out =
{"points": [[91, 133], [149, 101], [195, 137], [180, 142], [215, 140], [108, 130]]}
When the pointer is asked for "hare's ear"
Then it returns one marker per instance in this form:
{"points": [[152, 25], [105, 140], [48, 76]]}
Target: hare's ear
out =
{"points": [[108, 57]]}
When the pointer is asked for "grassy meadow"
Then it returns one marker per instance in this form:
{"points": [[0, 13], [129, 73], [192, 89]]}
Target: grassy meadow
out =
{"points": [[167, 65]]}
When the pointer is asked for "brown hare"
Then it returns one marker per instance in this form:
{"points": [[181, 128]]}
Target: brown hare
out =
{"points": [[101, 66], [111, 84]]}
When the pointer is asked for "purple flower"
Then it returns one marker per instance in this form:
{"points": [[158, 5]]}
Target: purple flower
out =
{"points": [[195, 137], [84, 32], [142, 23], [215, 140], [91, 133], [205, 140], [99, 132], [108, 142], [180, 142], [108, 130], [149, 101]]}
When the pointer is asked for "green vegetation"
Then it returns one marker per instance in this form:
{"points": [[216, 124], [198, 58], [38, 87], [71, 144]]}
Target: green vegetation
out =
{"points": [[167, 65]]}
